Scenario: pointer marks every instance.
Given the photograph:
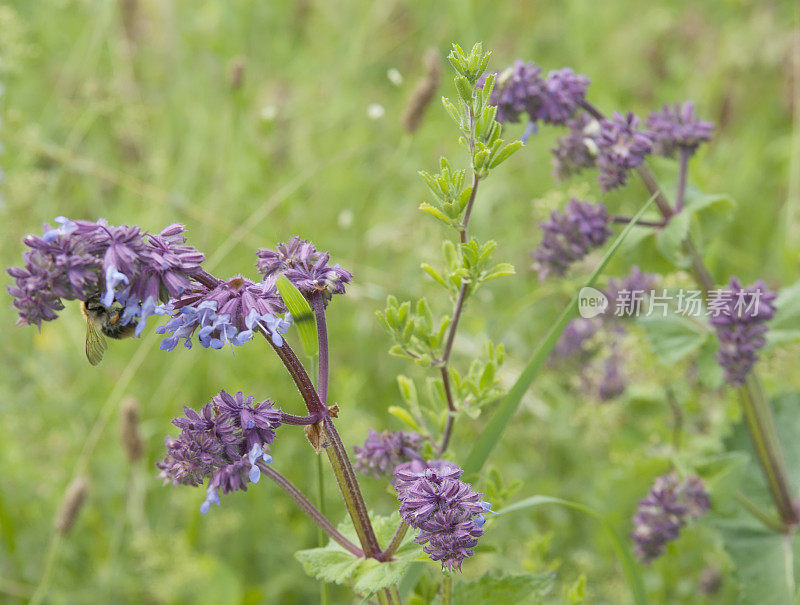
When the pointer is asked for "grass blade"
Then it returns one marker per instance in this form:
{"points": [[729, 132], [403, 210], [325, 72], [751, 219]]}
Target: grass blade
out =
{"points": [[627, 561], [494, 429], [302, 315]]}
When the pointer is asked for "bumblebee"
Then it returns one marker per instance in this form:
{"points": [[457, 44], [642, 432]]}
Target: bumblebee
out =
{"points": [[101, 322]]}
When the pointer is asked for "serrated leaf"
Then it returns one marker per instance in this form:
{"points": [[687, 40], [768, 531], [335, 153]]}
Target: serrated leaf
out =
{"points": [[674, 337], [500, 270], [434, 212], [302, 315], [710, 212], [505, 153], [332, 563], [403, 415]]}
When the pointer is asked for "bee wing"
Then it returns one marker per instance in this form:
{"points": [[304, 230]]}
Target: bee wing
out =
{"points": [[95, 344]]}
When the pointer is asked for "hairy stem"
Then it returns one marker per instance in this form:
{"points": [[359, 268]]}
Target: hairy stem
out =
{"points": [[309, 509], [624, 220], [337, 453], [685, 154], [318, 304], [389, 596], [397, 539]]}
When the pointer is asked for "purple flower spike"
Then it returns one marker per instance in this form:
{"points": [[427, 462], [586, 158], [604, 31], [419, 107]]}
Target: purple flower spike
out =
{"points": [[224, 314], [119, 265], [677, 127], [661, 515], [448, 513], [740, 315], [382, 452], [305, 266], [520, 89], [564, 90], [622, 146], [569, 236], [225, 443], [517, 90], [577, 149]]}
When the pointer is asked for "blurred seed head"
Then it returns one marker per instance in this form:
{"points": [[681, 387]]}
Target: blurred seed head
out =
{"points": [[129, 430], [236, 72], [71, 504], [423, 92]]}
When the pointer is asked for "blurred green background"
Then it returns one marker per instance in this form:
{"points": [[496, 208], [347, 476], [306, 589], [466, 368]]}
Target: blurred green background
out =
{"points": [[248, 122]]}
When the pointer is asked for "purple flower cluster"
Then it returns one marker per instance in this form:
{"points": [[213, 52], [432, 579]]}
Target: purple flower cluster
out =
{"points": [[661, 515], [85, 260], [382, 452], [226, 313], [448, 513], [627, 294], [739, 315], [574, 340], [522, 89], [622, 146], [677, 127], [224, 443], [577, 149], [569, 236], [305, 266]]}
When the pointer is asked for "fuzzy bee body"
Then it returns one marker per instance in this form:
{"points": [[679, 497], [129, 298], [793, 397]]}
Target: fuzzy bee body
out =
{"points": [[102, 322]]}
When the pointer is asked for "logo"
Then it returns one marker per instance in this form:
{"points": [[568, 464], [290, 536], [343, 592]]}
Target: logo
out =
{"points": [[591, 302]]}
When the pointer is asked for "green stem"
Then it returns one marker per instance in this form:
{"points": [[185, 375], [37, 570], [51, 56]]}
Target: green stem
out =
{"points": [[761, 424], [755, 510], [447, 590]]}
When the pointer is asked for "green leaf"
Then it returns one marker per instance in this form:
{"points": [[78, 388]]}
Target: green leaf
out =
{"points": [[709, 211], [405, 416], [508, 589], [640, 249], [332, 563], [435, 212], [302, 315], [670, 239], [486, 441], [674, 337], [767, 562], [505, 153], [629, 566], [785, 326]]}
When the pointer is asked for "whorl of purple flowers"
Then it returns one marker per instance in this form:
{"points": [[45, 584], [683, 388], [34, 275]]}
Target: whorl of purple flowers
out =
{"points": [[577, 149], [575, 338], [522, 89], [448, 513], [666, 509], [569, 236], [83, 260], [227, 313], [622, 146], [625, 295], [224, 443], [677, 127], [739, 315], [382, 452], [305, 266]]}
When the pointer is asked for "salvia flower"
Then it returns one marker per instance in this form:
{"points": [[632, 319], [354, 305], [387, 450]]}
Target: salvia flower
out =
{"points": [[518, 90], [225, 443], [740, 315], [94, 260], [612, 384], [622, 146], [225, 314], [569, 236], [627, 295], [574, 340], [563, 92], [577, 149], [666, 509], [305, 266], [677, 127], [382, 452], [448, 513], [521, 89]]}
